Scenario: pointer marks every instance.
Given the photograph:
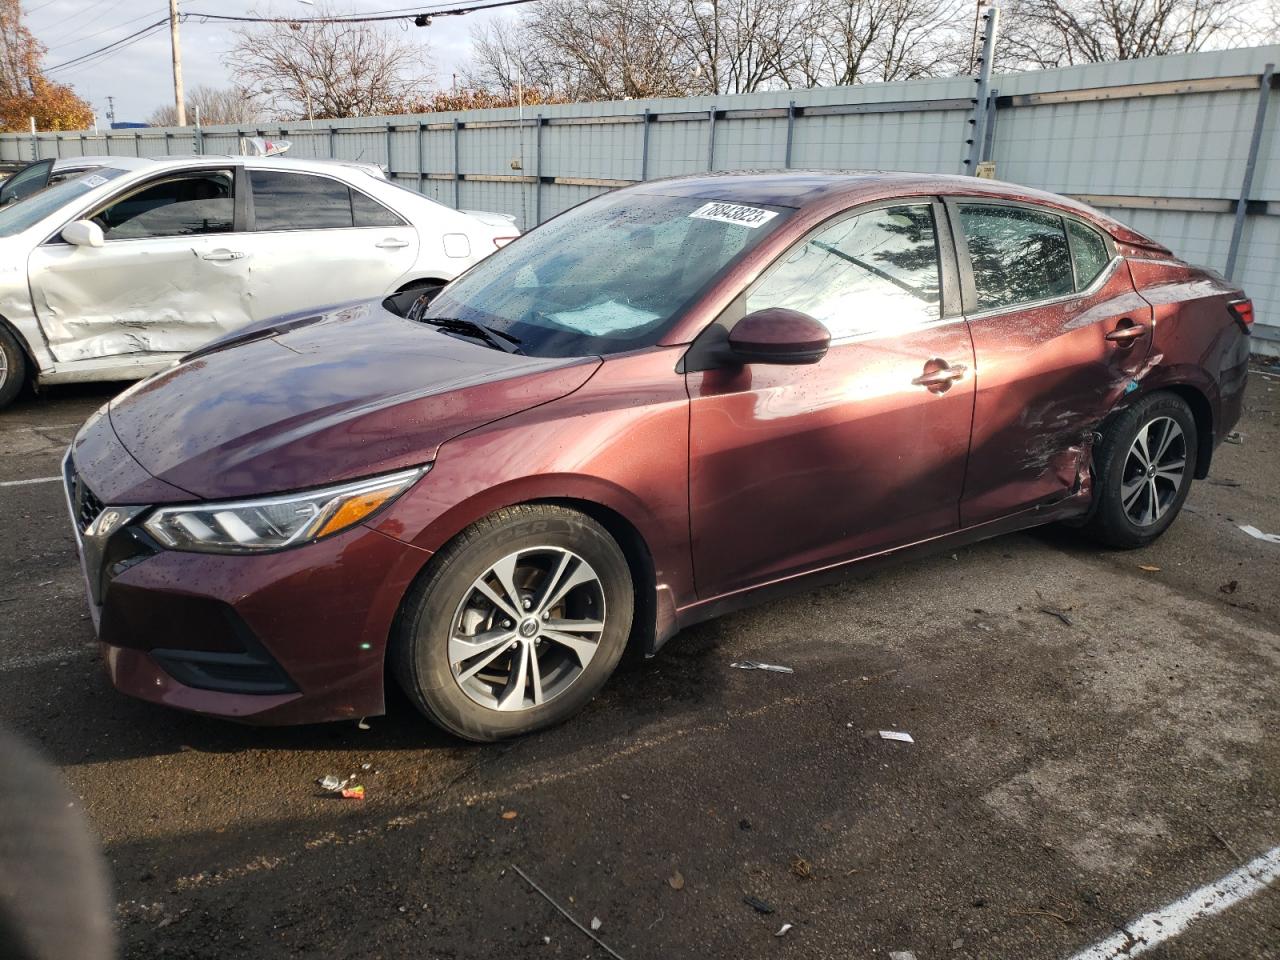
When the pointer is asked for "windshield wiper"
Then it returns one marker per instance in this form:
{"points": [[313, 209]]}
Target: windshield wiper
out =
{"points": [[496, 338]]}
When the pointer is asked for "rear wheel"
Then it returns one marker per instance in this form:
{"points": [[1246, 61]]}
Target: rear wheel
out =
{"points": [[517, 623], [13, 367], [1144, 466]]}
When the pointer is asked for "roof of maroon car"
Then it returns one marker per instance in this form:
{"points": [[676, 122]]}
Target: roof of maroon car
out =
{"points": [[804, 188]]}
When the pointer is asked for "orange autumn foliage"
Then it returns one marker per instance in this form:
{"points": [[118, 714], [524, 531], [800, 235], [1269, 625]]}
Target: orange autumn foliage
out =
{"points": [[24, 90]]}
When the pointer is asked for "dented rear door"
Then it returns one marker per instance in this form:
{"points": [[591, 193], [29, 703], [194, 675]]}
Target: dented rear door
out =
{"points": [[1045, 295]]}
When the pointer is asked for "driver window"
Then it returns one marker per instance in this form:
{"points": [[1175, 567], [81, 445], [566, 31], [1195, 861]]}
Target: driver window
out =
{"points": [[873, 272], [195, 203]]}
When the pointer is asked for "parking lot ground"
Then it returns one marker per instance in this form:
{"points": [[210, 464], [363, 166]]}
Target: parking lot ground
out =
{"points": [[1065, 779]]}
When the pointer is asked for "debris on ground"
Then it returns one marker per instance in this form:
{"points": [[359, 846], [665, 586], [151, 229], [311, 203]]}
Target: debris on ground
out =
{"points": [[1234, 437], [1223, 482], [1229, 587], [595, 921], [782, 930], [758, 905], [363, 724], [1149, 567], [1060, 614], [331, 783], [900, 735], [1259, 535], [901, 955], [353, 793], [757, 665], [676, 881], [509, 814], [801, 868]]}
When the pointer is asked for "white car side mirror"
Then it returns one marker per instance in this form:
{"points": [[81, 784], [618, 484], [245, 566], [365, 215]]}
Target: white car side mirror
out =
{"points": [[83, 233]]}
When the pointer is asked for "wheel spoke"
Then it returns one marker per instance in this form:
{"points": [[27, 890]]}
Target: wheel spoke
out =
{"points": [[512, 696], [1153, 504], [1129, 492], [1139, 448], [535, 677], [581, 574], [1171, 433], [505, 572], [583, 648], [573, 626], [484, 655]]}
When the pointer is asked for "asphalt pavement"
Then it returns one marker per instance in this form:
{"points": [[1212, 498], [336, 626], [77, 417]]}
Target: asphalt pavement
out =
{"points": [[1071, 777]]}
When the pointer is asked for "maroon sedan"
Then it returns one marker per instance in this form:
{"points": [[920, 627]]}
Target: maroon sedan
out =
{"points": [[663, 404]]}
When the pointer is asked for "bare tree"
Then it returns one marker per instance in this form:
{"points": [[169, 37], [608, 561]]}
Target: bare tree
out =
{"points": [[861, 41], [327, 69], [214, 105], [1056, 33]]}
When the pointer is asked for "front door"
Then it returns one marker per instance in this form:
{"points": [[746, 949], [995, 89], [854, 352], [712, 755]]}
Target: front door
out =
{"points": [[796, 467], [315, 240], [167, 279], [1059, 335]]}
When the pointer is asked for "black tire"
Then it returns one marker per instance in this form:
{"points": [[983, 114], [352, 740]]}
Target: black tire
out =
{"points": [[13, 367], [419, 655], [1111, 523]]}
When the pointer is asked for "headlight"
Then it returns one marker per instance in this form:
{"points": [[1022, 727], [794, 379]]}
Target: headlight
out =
{"points": [[270, 523]]}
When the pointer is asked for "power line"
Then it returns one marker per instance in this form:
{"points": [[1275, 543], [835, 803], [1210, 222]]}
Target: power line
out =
{"points": [[96, 33], [412, 13], [123, 41]]}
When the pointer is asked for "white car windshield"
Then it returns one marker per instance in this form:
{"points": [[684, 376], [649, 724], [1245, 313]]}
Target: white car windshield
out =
{"points": [[26, 213], [610, 275]]}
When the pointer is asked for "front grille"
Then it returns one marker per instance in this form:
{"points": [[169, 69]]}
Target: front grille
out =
{"points": [[85, 505]]}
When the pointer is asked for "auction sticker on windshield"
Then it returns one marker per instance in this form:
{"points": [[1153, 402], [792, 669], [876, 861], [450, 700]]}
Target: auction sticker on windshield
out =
{"points": [[750, 217]]}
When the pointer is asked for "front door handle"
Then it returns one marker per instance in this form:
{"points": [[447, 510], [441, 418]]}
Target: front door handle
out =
{"points": [[391, 243], [939, 375], [1124, 335], [222, 255]]}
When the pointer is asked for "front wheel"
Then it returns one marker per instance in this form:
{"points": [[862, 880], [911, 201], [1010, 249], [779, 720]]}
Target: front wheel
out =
{"points": [[13, 367], [1143, 471], [516, 624]]}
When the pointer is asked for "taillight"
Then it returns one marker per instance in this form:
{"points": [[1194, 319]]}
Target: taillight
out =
{"points": [[1242, 310], [501, 242]]}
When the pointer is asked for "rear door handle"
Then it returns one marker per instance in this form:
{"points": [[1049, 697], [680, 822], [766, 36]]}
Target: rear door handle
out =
{"points": [[1126, 335], [943, 376], [391, 243], [221, 255]]}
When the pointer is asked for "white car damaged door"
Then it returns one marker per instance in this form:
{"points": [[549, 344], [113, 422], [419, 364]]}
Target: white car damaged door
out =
{"points": [[168, 277]]}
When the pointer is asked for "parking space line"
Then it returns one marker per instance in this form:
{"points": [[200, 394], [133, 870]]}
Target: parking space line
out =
{"points": [[24, 483], [1168, 922]]}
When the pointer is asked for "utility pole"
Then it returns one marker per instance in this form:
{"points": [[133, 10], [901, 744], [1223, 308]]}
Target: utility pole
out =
{"points": [[179, 106], [111, 111]]}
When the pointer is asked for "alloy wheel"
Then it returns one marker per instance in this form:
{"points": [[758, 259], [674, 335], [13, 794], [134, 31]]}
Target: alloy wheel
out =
{"points": [[527, 628], [1154, 471], [4, 366]]}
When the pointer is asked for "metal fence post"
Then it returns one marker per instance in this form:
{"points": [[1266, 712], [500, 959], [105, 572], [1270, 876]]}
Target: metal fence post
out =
{"points": [[711, 140], [537, 172], [137, 144], [644, 147], [989, 135], [390, 175], [791, 125], [1246, 187], [331, 135], [421, 160], [456, 172], [977, 122]]}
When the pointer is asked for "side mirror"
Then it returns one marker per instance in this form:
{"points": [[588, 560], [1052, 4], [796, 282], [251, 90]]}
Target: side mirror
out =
{"points": [[83, 233], [779, 335]]}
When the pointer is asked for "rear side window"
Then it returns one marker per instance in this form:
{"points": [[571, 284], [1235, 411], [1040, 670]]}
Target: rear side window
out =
{"points": [[1018, 255], [871, 272], [298, 201], [1088, 253], [367, 212]]}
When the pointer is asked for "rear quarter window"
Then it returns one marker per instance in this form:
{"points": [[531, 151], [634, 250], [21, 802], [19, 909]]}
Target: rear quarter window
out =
{"points": [[1088, 253]]}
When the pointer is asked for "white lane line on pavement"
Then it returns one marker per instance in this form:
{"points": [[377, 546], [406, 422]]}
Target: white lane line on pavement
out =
{"points": [[1154, 928], [49, 656], [24, 483]]}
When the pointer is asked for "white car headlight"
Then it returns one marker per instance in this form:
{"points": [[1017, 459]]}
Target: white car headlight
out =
{"points": [[270, 523]]}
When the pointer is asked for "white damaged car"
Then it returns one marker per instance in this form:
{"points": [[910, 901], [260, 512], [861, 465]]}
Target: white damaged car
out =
{"points": [[117, 273]]}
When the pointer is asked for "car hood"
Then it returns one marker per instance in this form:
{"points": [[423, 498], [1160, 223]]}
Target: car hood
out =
{"points": [[355, 392]]}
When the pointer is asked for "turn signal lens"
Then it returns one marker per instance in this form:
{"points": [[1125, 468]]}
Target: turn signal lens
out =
{"points": [[271, 523], [1242, 310]]}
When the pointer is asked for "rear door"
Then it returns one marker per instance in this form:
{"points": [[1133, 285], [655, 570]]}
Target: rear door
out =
{"points": [[796, 467], [316, 240], [1058, 336], [168, 278]]}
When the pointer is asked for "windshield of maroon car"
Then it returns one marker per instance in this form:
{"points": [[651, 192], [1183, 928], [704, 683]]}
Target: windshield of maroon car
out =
{"points": [[610, 275]]}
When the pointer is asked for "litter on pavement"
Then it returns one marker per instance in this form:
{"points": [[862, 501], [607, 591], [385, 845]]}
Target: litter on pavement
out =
{"points": [[900, 735], [331, 783], [901, 955], [595, 921], [353, 793], [1255, 533], [757, 665], [1060, 614], [758, 905], [782, 930]]}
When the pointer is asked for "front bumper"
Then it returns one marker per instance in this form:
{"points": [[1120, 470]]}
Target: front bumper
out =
{"points": [[296, 636]]}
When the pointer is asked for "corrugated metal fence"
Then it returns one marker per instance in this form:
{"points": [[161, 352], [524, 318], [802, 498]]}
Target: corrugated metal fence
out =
{"points": [[1164, 144]]}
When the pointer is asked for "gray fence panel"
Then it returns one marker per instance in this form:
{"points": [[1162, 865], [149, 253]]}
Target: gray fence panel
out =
{"points": [[1168, 159]]}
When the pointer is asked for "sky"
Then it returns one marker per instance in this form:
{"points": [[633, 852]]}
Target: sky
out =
{"points": [[139, 76]]}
